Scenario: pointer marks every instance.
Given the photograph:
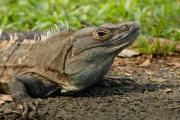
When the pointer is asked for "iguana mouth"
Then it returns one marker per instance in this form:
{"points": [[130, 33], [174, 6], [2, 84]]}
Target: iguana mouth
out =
{"points": [[133, 34], [129, 38]]}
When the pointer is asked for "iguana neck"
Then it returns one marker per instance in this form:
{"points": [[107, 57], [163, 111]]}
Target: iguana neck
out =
{"points": [[55, 51]]}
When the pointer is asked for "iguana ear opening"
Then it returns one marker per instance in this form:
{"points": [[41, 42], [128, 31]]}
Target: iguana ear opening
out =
{"points": [[102, 34]]}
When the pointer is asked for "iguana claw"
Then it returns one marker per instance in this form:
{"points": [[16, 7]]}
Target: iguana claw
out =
{"points": [[27, 105]]}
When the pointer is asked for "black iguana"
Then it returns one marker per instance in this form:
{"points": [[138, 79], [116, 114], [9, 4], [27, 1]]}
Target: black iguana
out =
{"points": [[39, 65]]}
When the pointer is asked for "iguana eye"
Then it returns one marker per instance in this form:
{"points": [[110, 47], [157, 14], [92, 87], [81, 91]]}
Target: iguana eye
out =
{"points": [[102, 34]]}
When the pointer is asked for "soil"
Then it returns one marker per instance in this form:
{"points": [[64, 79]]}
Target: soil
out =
{"points": [[148, 89]]}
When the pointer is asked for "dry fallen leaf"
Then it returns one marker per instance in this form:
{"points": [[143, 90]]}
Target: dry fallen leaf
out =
{"points": [[146, 63], [5, 98], [168, 90], [1, 102], [175, 64], [160, 80]]}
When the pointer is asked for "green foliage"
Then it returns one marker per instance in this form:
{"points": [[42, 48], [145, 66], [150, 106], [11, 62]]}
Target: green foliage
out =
{"points": [[148, 46], [158, 18]]}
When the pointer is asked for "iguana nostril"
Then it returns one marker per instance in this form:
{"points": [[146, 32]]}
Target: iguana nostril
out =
{"points": [[124, 28]]}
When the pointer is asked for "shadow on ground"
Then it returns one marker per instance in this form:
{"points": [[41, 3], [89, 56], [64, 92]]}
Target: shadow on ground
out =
{"points": [[125, 86]]}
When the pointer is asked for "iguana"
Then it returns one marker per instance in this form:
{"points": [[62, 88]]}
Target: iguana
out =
{"points": [[39, 65]]}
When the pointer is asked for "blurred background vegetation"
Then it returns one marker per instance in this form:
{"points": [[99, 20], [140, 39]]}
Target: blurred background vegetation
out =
{"points": [[158, 18]]}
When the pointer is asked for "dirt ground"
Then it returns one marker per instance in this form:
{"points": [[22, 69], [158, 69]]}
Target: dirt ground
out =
{"points": [[148, 89]]}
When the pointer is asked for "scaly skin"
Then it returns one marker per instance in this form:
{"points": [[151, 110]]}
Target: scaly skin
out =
{"points": [[61, 62]]}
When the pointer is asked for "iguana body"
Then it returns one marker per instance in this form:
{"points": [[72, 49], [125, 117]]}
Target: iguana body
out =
{"points": [[61, 62], [43, 59]]}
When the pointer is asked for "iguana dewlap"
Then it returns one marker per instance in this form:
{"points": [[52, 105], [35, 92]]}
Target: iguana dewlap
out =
{"points": [[41, 65]]}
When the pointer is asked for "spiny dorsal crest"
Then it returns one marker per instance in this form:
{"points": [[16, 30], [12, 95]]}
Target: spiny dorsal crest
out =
{"points": [[37, 36], [55, 29]]}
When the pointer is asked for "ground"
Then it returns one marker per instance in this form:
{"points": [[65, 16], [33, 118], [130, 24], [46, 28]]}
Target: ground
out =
{"points": [[148, 89]]}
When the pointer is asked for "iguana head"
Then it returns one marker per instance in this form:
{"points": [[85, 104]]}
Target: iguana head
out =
{"points": [[111, 37], [94, 48]]}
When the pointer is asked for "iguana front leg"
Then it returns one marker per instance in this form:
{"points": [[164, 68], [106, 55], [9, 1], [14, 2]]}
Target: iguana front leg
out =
{"points": [[24, 89]]}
